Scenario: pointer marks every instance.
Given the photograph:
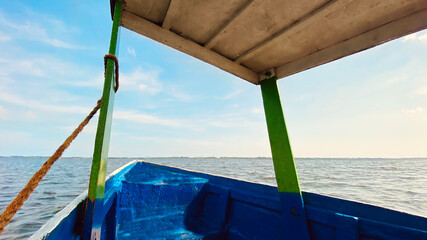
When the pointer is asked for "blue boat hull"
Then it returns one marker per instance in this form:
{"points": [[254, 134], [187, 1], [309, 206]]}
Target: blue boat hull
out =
{"points": [[148, 201]]}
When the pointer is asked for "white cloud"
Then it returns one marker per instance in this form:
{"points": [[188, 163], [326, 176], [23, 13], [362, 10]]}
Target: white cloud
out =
{"points": [[59, 43], [220, 124], [15, 138], [4, 114], [28, 67], [141, 80], [14, 114], [397, 78], [38, 105], [4, 38], [145, 118], [257, 111], [29, 116], [138, 80], [418, 110], [421, 91], [179, 95], [97, 81], [409, 37], [228, 120], [131, 51], [231, 94], [236, 118], [47, 67], [422, 37], [29, 30]]}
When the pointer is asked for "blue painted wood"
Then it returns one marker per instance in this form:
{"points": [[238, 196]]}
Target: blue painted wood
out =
{"points": [[148, 201], [68, 223], [363, 211], [347, 227]]}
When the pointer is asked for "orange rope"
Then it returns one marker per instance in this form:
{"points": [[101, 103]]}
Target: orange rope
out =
{"points": [[116, 63], [23, 195]]}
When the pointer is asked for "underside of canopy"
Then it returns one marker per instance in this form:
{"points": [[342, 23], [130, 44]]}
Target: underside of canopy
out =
{"points": [[249, 38]]}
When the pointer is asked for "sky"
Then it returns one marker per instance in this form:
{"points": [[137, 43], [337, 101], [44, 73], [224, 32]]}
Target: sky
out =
{"points": [[370, 104]]}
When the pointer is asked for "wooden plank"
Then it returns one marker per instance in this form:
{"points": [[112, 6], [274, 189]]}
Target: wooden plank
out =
{"points": [[191, 48], [152, 10], [214, 38], [330, 27], [271, 40], [198, 20], [171, 14], [261, 20], [398, 28]]}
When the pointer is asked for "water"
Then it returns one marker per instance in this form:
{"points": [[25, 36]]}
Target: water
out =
{"points": [[398, 184]]}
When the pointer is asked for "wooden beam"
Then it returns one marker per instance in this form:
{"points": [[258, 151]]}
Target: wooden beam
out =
{"points": [[215, 37], [171, 13], [392, 30], [273, 39], [151, 30]]}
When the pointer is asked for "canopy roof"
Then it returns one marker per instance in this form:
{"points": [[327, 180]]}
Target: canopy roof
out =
{"points": [[248, 38]]}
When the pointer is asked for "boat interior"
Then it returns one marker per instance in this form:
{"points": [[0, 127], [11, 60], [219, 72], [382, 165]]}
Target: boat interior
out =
{"points": [[150, 201]]}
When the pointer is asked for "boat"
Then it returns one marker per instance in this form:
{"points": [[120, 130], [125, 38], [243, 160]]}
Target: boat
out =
{"points": [[149, 201], [260, 41]]}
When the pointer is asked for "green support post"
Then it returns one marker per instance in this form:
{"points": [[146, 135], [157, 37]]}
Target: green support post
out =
{"points": [[292, 205], [93, 212]]}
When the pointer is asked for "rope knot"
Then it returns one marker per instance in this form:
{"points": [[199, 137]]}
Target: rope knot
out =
{"points": [[116, 73]]}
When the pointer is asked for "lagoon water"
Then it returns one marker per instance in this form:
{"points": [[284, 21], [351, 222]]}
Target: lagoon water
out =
{"points": [[399, 184]]}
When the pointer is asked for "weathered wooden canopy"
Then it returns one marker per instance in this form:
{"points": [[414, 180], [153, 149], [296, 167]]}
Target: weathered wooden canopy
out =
{"points": [[249, 37]]}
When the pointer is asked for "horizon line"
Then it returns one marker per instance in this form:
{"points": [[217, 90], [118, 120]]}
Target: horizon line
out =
{"points": [[157, 157]]}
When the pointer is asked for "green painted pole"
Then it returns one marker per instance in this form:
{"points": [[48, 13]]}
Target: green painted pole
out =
{"points": [[284, 164], [283, 159], [93, 211]]}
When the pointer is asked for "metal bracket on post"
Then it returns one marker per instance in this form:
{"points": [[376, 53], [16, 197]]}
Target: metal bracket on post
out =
{"points": [[292, 205], [94, 214], [267, 74]]}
